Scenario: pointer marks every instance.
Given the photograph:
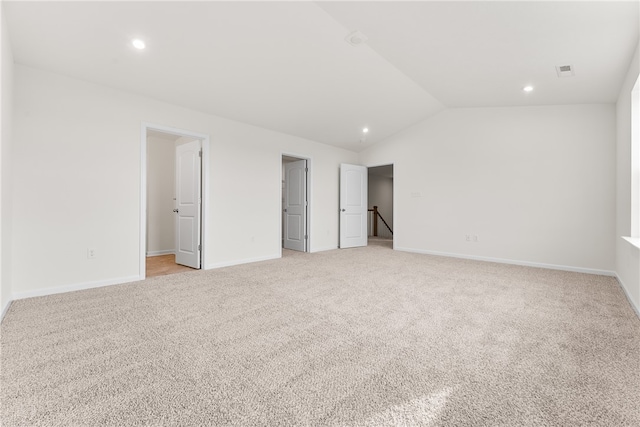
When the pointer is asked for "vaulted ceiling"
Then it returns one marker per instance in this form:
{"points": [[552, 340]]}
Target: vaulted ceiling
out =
{"points": [[286, 65]]}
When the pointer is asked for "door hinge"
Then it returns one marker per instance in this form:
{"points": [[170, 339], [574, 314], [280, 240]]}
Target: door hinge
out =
{"points": [[200, 153], [306, 236], [199, 247], [306, 169]]}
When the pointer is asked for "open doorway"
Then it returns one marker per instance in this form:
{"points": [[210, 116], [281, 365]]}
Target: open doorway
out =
{"points": [[295, 203], [380, 198], [174, 171]]}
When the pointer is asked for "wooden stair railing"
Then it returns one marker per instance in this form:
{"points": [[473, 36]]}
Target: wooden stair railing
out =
{"points": [[377, 215]]}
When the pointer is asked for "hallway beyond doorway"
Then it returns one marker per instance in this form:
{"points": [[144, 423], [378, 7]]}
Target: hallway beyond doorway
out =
{"points": [[380, 241]]}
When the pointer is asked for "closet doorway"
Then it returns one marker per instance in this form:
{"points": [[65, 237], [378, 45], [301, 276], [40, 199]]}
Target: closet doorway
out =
{"points": [[174, 172]]}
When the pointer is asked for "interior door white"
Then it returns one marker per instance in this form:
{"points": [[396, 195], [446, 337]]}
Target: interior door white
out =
{"points": [[188, 201], [353, 206], [295, 205]]}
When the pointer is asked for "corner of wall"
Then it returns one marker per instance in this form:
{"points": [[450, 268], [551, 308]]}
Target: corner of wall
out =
{"points": [[6, 120], [5, 309], [633, 305]]}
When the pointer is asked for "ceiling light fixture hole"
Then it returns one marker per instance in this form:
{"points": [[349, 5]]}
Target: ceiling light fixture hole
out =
{"points": [[356, 38]]}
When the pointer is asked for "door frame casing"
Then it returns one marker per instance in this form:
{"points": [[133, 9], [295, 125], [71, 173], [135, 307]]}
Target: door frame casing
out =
{"points": [[204, 208], [309, 197]]}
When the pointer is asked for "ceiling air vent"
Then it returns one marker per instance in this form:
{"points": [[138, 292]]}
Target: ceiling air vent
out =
{"points": [[565, 70]]}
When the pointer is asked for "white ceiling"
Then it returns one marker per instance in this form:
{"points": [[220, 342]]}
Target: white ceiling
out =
{"points": [[470, 54], [285, 65]]}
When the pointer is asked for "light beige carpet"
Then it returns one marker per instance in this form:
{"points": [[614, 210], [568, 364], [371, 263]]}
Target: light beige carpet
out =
{"points": [[357, 337]]}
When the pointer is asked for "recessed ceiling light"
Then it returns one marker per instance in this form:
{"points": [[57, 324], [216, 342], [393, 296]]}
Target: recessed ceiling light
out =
{"points": [[527, 88], [138, 44], [365, 130]]}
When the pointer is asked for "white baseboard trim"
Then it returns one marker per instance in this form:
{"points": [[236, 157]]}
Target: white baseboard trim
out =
{"points": [[5, 309], [158, 253], [624, 289], [326, 248], [76, 287], [241, 261], [512, 262]]}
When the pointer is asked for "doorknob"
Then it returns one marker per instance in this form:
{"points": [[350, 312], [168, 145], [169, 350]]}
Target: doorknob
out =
{"points": [[175, 210], [284, 210], [343, 210]]}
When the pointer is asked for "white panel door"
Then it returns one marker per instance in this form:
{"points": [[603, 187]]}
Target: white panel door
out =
{"points": [[353, 205], [188, 200], [295, 205]]}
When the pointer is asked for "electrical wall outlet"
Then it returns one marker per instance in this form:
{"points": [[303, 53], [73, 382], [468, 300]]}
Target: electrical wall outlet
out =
{"points": [[91, 253], [468, 237]]}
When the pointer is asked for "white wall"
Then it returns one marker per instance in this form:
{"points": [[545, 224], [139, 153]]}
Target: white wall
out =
{"points": [[77, 183], [380, 191], [6, 89], [535, 184], [160, 196], [627, 255]]}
